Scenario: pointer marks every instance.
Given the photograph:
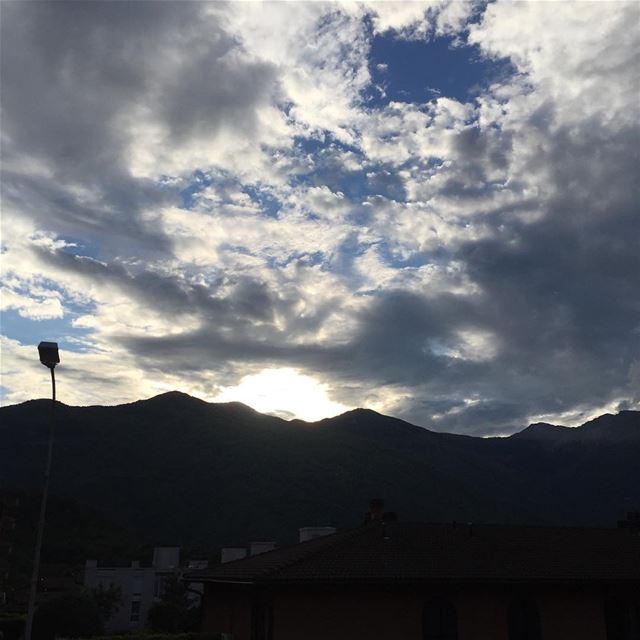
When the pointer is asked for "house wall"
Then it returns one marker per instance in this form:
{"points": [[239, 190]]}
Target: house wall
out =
{"points": [[137, 584], [227, 610], [567, 614], [350, 614]]}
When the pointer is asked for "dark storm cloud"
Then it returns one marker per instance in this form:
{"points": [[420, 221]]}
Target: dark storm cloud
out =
{"points": [[248, 301], [111, 217], [76, 75], [390, 345], [214, 91], [560, 295], [482, 150]]}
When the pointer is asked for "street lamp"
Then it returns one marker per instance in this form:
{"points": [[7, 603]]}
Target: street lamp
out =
{"points": [[49, 357]]}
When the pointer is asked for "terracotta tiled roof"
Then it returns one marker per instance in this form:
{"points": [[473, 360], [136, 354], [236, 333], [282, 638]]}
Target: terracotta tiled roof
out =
{"points": [[410, 553]]}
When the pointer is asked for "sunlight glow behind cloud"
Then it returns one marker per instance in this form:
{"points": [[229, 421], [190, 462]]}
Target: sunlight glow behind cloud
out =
{"points": [[283, 392]]}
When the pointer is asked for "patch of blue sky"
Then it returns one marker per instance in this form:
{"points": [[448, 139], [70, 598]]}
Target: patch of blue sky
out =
{"points": [[225, 184], [354, 186], [4, 392], [357, 185], [269, 205], [61, 330], [387, 183], [329, 170], [311, 144], [236, 248], [322, 141], [81, 246], [197, 183], [419, 71], [305, 259], [414, 260]]}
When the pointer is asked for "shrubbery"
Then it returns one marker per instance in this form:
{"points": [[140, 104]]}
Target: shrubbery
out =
{"points": [[174, 613], [12, 625], [162, 636], [72, 615]]}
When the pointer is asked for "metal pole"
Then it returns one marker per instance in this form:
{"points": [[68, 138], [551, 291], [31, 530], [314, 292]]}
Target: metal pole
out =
{"points": [[43, 511]]}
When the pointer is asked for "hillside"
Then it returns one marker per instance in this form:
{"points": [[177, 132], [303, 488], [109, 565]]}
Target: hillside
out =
{"points": [[182, 471]]}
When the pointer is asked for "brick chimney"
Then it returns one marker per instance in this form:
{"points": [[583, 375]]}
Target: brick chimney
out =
{"points": [[376, 511]]}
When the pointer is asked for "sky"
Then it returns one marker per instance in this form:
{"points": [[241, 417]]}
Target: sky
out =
{"points": [[425, 208]]}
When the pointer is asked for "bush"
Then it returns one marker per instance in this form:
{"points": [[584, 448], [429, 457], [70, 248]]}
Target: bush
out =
{"points": [[12, 625], [163, 636], [72, 615]]}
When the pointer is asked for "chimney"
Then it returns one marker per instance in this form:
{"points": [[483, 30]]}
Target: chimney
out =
{"points": [[376, 511]]}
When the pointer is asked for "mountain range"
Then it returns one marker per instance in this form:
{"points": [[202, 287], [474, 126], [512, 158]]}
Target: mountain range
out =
{"points": [[177, 470]]}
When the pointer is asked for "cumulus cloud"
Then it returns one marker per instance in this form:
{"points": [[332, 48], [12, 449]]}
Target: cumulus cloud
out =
{"points": [[200, 192]]}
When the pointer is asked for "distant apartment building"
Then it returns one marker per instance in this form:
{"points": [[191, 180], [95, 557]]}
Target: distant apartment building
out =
{"points": [[140, 586], [423, 581]]}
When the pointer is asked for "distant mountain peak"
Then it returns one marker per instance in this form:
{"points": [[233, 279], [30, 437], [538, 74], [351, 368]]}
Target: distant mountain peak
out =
{"points": [[361, 411], [623, 426], [542, 432], [172, 395], [181, 398], [171, 398]]}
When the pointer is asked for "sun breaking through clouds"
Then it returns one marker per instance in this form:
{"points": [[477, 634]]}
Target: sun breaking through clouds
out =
{"points": [[283, 392], [429, 208]]}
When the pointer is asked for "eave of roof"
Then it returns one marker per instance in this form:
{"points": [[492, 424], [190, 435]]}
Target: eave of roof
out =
{"points": [[421, 554]]}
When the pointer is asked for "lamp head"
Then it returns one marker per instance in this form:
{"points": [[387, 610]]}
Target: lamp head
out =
{"points": [[49, 354]]}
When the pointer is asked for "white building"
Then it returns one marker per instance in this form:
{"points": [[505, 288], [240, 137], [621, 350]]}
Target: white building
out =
{"points": [[140, 586]]}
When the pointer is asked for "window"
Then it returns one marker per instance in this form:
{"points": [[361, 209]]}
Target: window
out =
{"points": [[439, 620], [159, 587], [135, 611], [523, 620], [622, 618], [136, 587]]}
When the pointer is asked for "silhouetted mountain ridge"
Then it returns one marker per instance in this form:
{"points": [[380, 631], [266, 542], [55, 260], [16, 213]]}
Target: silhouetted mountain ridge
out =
{"points": [[543, 432], [620, 427], [178, 468]]}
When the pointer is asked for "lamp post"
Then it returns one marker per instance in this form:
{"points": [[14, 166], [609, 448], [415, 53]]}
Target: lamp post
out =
{"points": [[49, 357]]}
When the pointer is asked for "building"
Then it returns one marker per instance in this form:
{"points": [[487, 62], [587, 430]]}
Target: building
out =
{"points": [[417, 581], [140, 586]]}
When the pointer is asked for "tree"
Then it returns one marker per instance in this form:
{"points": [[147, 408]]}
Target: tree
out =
{"points": [[108, 599], [173, 614], [72, 615]]}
